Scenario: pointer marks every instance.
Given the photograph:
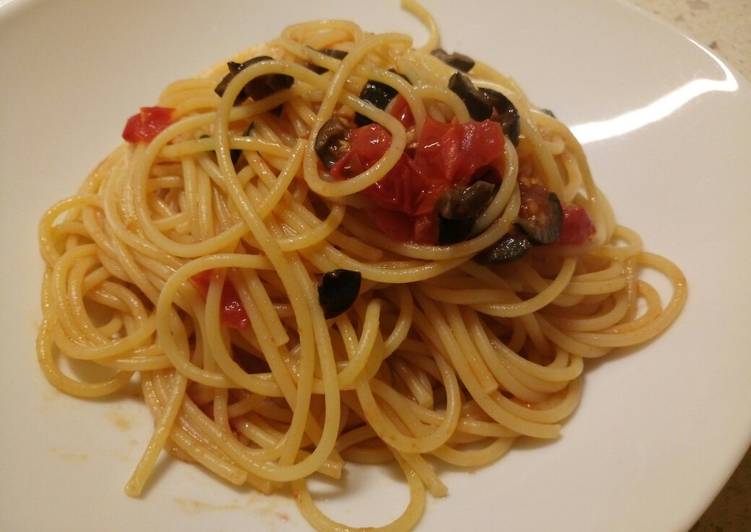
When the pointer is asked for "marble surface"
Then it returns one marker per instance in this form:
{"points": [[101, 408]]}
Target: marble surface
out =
{"points": [[725, 27]]}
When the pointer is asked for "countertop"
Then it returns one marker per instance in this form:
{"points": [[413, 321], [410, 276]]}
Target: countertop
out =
{"points": [[725, 27]]}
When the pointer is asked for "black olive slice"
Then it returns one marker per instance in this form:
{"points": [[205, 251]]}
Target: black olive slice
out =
{"points": [[488, 174], [337, 291], [451, 231], [478, 105], [379, 94], [331, 52], [458, 208], [462, 203], [509, 248], [250, 363], [458, 61], [331, 141], [544, 226], [505, 113], [257, 88], [235, 154]]}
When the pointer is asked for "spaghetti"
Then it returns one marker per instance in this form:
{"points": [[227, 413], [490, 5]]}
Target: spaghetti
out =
{"points": [[341, 248]]}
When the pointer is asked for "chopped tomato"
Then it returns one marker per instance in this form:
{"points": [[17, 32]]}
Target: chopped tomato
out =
{"points": [[446, 155], [368, 144], [533, 199], [400, 109], [147, 124], [454, 152], [232, 311], [577, 227], [426, 229], [393, 224]]}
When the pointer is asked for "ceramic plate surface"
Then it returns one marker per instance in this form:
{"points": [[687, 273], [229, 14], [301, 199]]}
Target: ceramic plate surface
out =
{"points": [[666, 127]]}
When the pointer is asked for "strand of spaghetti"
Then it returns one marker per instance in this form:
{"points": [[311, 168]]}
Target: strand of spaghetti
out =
{"points": [[543, 298], [431, 325], [438, 355], [406, 444], [434, 38], [166, 316], [45, 356], [418, 251], [145, 466], [654, 327], [406, 521], [297, 285], [475, 457]]}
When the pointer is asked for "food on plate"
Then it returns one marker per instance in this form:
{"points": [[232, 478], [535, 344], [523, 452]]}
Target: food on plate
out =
{"points": [[337, 247]]}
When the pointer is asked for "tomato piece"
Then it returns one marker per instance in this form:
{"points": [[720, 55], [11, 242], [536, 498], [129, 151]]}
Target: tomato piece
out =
{"points": [[533, 199], [395, 225], [456, 151], [367, 145], [202, 280], [147, 124], [401, 111], [577, 226], [426, 229], [446, 155], [232, 311]]}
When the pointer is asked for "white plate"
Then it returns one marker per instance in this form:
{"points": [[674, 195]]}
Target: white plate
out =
{"points": [[666, 127]]}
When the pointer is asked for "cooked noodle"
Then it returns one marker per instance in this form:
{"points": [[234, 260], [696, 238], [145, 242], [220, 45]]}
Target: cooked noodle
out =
{"points": [[441, 358]]}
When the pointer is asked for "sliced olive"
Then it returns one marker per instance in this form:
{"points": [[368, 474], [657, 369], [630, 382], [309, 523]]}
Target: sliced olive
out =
{"points": [[505, 113], [337, 291], [453, 231], [234, 68], [462, 203], [235, 154], [489, 174], [478, 105], [459, 207], [377, 93], [543, 226], [509, 248], [549, 112], [257, 88], [458, 61], [250, 363], [331, 141], [331, 52]]}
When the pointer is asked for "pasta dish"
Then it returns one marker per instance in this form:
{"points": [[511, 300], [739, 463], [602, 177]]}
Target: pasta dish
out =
{"points": [[337, 247]]}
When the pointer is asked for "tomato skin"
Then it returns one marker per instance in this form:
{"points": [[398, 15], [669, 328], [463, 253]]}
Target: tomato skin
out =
{"points": [[446, 155], [401, 111], [232, 311], [147, 124], [426, 229], [368, 144], [456, 151], [577, 226], [395, 225], [533, 198]]}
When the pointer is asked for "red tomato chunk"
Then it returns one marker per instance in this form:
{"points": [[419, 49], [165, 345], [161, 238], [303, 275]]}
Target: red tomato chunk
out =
{"points": [[577, 227], [400, 109], [232, 311], [446, 155], [147, 124]]}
